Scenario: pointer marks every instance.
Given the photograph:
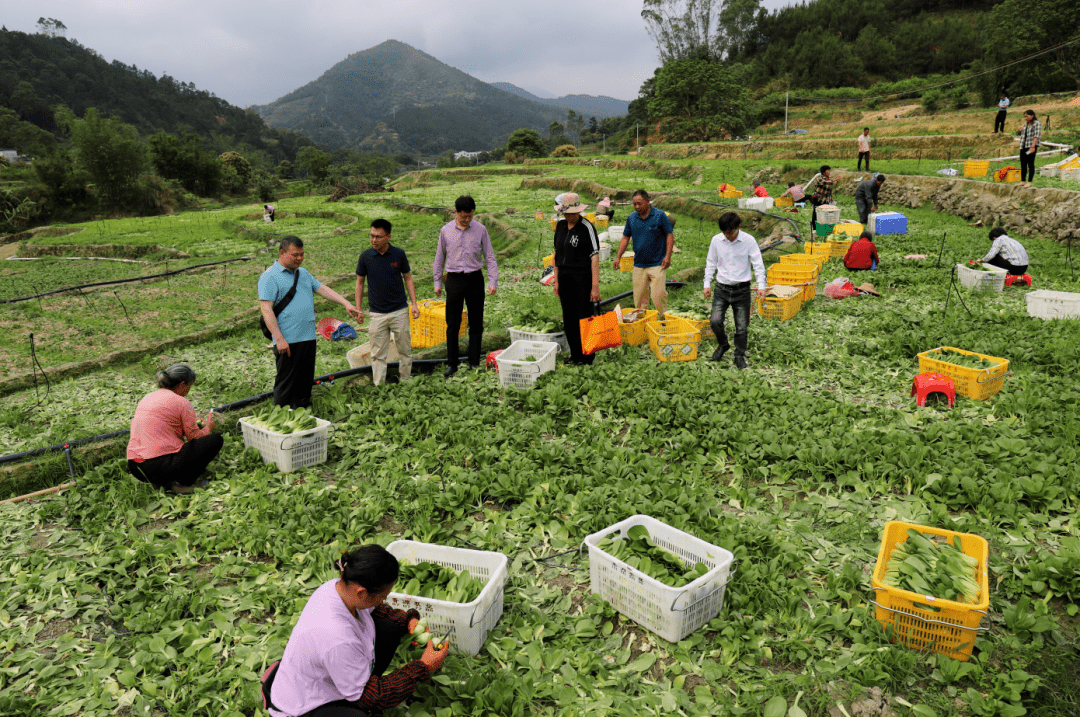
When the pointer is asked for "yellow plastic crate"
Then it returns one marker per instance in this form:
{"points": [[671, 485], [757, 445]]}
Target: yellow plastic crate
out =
{"points": [[549, 260], [730, 194], [554, 221], [818, 248], [636, 333], [1011, 176], [702, 325], [839, 247], [774, 307], [784, 202], [851, 229], [976, 168], [791, 274], [817, 260], [539, 216], [924, 622], [602, 221], [430, 329], [591, 216], [674, 339], [970, 382], [626, 263]]}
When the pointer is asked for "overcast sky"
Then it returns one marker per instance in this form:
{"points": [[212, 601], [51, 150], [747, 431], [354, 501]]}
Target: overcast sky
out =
{"points": [[254, 52]]}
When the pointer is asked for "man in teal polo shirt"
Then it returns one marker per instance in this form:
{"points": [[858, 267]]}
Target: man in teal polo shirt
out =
{"points": [[654, 240], [293, 330]]}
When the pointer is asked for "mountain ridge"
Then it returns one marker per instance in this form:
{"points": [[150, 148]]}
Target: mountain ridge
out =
{"points": [[598, 106]]}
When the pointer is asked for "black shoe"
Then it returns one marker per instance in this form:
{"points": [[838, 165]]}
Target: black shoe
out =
{"points": [[474, 366], [450, 371], [718, 354], [182, 489], [740, 363]]}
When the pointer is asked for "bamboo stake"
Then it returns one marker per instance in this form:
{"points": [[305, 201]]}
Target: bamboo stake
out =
{"points": [[37, 493]]}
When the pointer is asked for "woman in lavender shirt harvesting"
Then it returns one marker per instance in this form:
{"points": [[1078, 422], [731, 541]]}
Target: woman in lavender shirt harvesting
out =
{"points": [[343, 642]]}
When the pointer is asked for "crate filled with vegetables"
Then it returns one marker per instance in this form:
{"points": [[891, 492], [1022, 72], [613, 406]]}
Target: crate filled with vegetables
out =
{"points": [[974, 375], [982, 276], [290, 438], [532, 326], [698, 319], [634, 325], [456, 591], [660, 577], [932, 588]]}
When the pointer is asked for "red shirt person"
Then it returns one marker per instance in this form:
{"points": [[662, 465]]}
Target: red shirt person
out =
{"points": [[862, 255]]}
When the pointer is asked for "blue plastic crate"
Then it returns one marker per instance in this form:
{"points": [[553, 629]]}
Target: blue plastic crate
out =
{"points": [[891, 223]]}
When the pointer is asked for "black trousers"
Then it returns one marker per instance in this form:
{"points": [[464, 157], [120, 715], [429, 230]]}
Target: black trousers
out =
{"points": [[388, 636], [295, 375], [1000, 263], [813, 217], [183, 467], [1027, 166], [575, 289], [999, 121], [739, 298], [858, 166], [464, 291]]}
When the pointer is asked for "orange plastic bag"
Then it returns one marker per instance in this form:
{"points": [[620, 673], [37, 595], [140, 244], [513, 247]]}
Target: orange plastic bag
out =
{"points": [[600, 332]]}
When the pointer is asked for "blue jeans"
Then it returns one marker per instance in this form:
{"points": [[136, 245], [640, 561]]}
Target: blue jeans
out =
{"points": [[738, 297]]}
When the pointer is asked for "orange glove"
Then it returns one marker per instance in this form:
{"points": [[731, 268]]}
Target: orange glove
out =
{"points": [[432, 658]]}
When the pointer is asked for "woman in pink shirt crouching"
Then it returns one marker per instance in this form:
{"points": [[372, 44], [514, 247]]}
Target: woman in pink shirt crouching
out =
{"points": [[168, 446]]}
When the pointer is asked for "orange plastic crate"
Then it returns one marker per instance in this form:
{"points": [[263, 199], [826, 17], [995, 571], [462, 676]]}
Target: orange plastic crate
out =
{"points": [[925, 622]]}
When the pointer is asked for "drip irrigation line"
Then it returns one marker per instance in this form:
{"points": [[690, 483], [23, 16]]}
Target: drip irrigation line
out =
{"points": [[610, 299], [118, 282], [948, 294], [36, 364]]}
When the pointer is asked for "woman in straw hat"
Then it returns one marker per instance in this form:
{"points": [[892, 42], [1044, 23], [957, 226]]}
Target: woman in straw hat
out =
{"points": [[577, 271]]}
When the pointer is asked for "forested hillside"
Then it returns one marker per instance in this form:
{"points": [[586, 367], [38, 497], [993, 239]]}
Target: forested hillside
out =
{"points": [[38, 72]]}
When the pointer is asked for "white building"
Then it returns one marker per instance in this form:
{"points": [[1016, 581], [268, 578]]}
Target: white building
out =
{"points": [[468, 155]]}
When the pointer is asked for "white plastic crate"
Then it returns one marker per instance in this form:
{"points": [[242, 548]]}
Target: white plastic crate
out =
{"points": [[993, 278], [361, 355], [468, 623], [760, 203], [557, 337], [828, 214], [1048, 171], [1069, 174], [672, 613], [605, 251], [289, 451], [1045, 304], [516, 370], [615, 233]]}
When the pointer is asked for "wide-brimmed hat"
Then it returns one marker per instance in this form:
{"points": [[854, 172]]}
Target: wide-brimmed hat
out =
{"points": [[571, 204], [868, 288]]}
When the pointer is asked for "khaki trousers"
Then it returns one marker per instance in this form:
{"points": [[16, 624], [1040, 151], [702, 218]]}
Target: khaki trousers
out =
{"points": [[650, 282], [379, 335]]}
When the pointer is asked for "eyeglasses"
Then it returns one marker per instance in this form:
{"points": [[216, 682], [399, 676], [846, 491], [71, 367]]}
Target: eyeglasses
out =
{"points": [[378, 236]]}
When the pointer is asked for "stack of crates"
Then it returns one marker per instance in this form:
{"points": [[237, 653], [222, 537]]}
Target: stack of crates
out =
{"points": [[816, 260], [819, 249], [838, 248], [828, 214], [851, 229], [882, 223], [804, 275]]}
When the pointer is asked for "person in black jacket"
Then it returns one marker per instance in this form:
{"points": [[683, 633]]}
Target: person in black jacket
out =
{"points": [[577, 272], [866, 197]]}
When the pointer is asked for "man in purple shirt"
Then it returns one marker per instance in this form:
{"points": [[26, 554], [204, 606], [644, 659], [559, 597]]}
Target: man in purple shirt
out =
{"points": [[463, 247]]}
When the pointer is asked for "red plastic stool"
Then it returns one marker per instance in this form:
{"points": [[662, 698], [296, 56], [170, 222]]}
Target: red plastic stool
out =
{"points": [[1018, 279], [927, 383], [491, 362]]}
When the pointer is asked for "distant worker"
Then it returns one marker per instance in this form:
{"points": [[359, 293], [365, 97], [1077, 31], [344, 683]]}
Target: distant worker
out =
{"points": [[464, 246], [864, 149], [1006, 253], [387, 268], [795, 192], [759, 191], [862, 254], [1030, 135], [268, 212], [732, 254], [604, 207], [866, 197], [822, 194], [653, 242], [168, 448], [1002, 109], [287, 303]]}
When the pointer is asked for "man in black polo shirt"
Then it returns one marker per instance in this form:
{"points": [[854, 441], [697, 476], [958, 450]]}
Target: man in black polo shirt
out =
{"points": [[387, 266]]}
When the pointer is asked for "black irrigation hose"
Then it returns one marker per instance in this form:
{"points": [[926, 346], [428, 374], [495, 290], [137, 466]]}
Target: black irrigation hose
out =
{"points": [[789, 220], [420, 365], [122, 281], [670, 285]]}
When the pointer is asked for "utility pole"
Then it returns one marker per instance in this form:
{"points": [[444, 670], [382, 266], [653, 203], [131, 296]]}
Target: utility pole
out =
{"points": [[637, 135]]}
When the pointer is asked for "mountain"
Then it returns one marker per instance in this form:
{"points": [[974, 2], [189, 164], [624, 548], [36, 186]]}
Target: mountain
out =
{"points": [[588, 105], [393, 97]]}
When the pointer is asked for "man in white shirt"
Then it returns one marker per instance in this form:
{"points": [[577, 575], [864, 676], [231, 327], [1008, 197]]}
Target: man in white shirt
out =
{"points": [[999, 118], [732, 254]]}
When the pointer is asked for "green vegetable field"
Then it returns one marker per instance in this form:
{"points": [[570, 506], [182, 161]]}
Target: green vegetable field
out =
{"points": [[116, 599]]}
